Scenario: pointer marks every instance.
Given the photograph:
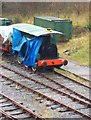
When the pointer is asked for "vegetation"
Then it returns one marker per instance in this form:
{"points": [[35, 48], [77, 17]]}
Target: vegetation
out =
{"points": [[77, 49], [78, 12], [72, 76]]}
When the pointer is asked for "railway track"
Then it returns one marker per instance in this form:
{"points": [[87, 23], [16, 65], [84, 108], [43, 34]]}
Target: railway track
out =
{"points": [[83, 102], [5, 116], [55, 76], [74, 77], [12, 110], [82, 81], [68, 84], [46, 85]]}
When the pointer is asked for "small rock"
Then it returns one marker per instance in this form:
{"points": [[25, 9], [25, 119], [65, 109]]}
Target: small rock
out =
{"points": [[63, 109], [41, 101], [67, 52]]}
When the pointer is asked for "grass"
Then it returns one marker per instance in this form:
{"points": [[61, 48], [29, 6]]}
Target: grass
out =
{"points": [[72, 76], [82, 20], [77, 49]]}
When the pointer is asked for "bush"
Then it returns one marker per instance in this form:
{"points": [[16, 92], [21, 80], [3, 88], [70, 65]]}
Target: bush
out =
{"points": [[89, 26], [17, 20]]}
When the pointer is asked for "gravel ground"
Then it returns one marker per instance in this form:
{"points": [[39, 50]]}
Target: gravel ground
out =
{"points": [[19, 96], [82, 71]]}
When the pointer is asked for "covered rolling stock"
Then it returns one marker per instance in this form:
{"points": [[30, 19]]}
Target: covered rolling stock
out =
{"points": [[34, 45]]}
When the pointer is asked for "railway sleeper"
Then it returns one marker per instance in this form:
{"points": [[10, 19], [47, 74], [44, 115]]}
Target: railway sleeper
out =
{"points": [[21, 116], [2, 100], [49, 103], [8, 83], [10, 108], [5, 104], [53, 107], [16, 112], [63, 109]]}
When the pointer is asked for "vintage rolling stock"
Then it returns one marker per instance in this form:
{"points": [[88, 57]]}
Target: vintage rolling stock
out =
{"points": [[32, 45]]}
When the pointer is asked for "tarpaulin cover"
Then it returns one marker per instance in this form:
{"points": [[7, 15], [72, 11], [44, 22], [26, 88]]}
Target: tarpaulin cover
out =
{"points": [[31, 47], [6, 33]]}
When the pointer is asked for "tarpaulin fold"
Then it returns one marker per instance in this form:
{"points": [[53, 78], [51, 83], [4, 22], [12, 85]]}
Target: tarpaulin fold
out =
{"points": [[31, 47]]}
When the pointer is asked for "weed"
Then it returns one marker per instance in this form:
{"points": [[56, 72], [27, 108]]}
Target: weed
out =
{"points": [[78, 49]]}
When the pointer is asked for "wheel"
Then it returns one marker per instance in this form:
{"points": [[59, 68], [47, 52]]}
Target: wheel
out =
{"points": [[33, 69], [19, 60]]}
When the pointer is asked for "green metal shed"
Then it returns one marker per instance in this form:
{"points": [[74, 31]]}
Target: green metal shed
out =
{"points": [[58, 24], [5, 22]]}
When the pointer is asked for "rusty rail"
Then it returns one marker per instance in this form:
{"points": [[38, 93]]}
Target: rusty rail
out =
{"points": [[54, 89], [26, 110], [73, 79], [66, 88], [47, 97], [7, 115]]}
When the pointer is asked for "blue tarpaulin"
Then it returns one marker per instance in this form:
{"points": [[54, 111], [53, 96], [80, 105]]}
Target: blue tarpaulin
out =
{"points": [[27, 49]]}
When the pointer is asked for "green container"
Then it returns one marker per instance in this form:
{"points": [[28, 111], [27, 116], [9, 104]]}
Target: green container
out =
{"points": [[58, 24], [5, 22]]}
